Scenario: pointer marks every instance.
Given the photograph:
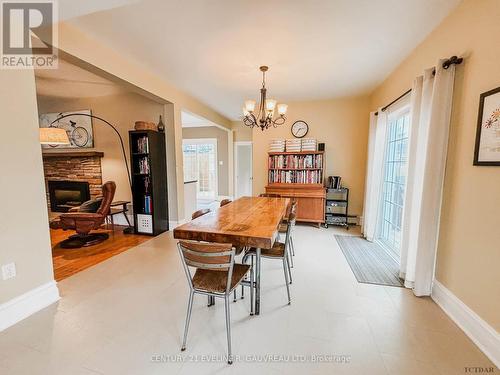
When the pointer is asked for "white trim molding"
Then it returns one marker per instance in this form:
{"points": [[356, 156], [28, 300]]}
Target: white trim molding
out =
{"points": [[19, 308], [481, 333]]}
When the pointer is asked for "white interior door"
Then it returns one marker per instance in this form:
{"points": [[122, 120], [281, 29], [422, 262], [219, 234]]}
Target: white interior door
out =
{"points": [[200, 163], [243, 169]]}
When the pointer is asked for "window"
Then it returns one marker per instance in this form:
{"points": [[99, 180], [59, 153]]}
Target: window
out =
{"points": [[394, 182]]}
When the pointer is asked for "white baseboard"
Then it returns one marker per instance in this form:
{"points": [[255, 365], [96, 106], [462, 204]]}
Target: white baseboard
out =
{"points": [[19, 308], [481, 333]]}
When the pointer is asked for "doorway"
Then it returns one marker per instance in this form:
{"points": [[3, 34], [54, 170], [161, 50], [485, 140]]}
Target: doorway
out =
{"points": [[200, 163], [243, 169]]}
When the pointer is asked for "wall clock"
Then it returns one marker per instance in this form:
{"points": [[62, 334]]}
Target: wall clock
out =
{"points": [[300, 129]]}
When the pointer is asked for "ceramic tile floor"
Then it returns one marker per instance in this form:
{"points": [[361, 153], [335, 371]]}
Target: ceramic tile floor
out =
{"points": [[126, 316]]}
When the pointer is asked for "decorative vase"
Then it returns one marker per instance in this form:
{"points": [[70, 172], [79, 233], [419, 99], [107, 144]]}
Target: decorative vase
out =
{"points": [[161, 126]]}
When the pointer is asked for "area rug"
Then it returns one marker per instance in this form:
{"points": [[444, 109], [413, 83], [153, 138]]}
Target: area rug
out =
{"points": [[369, 262]]}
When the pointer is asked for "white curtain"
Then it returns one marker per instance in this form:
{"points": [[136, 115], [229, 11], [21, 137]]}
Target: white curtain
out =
{"points": [[431, 102], [374, 173]]}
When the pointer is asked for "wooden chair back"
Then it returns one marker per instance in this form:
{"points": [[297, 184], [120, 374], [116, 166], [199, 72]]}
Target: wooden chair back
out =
{"points": [[208, 256], [224, 202], [200, 213]]}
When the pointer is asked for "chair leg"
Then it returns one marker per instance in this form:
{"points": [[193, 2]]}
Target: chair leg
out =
{"points": [[288, 257], [228, 331], [292, 245], [188, 318], [234, 295], [252, 294], [244, 261], [285, 266]]}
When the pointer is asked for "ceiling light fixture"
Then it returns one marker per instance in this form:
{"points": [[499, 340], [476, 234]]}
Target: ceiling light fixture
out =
{"points": [[264, 118]]}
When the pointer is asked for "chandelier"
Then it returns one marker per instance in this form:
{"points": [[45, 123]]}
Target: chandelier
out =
{"points": [[264, 117]]}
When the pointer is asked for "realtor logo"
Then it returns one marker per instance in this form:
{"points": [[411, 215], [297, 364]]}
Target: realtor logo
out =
{"points": [[24, 23]]}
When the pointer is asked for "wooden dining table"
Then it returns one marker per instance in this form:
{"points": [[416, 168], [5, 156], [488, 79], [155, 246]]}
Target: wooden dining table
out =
{"points": [[248, 221]]}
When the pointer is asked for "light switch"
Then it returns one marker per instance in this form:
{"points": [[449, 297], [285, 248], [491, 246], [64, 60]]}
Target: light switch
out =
{"points": [[8, 271]]}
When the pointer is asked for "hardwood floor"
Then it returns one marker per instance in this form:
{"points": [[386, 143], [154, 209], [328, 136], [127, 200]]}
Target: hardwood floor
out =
{"points": [[67, 262]]}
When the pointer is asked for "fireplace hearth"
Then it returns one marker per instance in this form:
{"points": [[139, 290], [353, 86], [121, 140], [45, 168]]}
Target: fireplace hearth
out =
{"points": [[67, 194]]}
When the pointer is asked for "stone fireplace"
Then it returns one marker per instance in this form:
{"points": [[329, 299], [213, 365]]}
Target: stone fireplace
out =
{"points": [[77, 166]]}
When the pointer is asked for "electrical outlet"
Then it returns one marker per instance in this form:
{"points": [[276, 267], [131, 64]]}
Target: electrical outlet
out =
{"points": [[8, 271]]}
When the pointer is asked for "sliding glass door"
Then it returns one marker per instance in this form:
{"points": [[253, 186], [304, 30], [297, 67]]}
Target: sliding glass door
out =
{"points": [[200, 163], [394, 182]]}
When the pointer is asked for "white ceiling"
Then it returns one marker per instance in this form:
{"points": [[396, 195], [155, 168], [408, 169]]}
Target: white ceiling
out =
{"points": [[315, 49], [71, 81], [70, 8], [190, 120]]}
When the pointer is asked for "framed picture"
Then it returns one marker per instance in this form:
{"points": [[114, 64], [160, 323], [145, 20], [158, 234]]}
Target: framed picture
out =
{"points": [[487, 151], [78, 128]]}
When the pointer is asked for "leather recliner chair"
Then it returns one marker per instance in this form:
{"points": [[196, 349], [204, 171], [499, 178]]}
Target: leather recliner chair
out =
{"points": [[84, 222]]}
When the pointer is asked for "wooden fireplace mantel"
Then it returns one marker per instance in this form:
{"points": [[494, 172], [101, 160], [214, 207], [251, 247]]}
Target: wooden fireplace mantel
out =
{"points": [[71, 154]]}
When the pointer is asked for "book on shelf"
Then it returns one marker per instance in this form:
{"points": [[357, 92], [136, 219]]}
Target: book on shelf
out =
{"points": [[295, 161], [144, 165], [295, 177], [148, 205], [142, 145]]}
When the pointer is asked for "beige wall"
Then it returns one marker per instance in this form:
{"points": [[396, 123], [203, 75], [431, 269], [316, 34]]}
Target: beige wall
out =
{"points": [[222, 151], [122, 111], [241, 132], [468, 256], [342, 124], [24, 226]]}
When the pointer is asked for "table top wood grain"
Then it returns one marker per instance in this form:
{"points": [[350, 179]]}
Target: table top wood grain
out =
{"points": [[248, 221]]}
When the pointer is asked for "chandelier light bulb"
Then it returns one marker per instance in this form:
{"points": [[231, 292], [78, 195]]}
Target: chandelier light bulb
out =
{"points": [[282, 109], [245, 112], [250, 105]]}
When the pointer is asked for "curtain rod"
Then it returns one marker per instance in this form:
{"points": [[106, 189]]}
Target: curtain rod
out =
{"points": [[446, 64]]}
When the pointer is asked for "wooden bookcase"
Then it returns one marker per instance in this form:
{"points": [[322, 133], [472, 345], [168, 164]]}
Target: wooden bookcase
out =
{"points": [[299, 176], [149, 181]]}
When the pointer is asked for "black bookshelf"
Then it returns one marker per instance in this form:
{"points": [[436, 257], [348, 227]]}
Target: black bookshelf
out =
{"points": [[149, 181]]}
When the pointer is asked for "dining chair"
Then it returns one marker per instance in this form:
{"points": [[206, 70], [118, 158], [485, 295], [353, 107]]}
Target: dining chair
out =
{"points": [[200, 213], [216, 275], [278, 251], [270, 195], [224, 202]]}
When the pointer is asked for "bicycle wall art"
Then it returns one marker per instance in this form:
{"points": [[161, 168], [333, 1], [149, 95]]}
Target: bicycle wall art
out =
{"points": [[78, 128]]}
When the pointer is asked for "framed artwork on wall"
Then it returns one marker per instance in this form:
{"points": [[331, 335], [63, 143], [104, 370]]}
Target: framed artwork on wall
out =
{"points": [[487, 151], [78, 128]]}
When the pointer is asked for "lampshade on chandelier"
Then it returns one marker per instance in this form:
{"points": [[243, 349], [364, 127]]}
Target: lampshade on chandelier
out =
{"points": [[264, 117]]}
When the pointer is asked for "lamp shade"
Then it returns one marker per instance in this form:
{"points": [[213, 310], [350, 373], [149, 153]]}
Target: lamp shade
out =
{"points": [[250, 105], [282, 108], [270, 105], [53, 136]]}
